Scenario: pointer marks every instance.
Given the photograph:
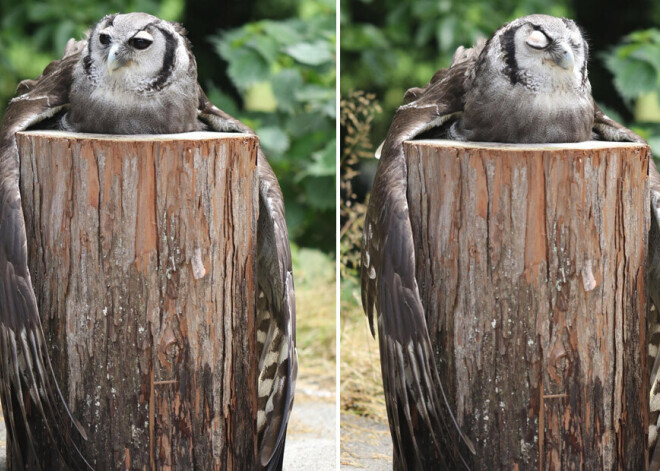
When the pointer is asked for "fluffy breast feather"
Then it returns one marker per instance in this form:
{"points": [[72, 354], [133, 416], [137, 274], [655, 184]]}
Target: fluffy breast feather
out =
{"points": [[495, 111]]}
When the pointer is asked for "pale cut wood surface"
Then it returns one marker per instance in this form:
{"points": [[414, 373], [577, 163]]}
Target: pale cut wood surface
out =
{"points": [[531, 266], [142, 255]]}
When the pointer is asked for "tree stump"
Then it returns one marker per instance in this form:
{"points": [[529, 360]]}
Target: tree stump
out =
{"points": [[142, 255], [531, 266]]}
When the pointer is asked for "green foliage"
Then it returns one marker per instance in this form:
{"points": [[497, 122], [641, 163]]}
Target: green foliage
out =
{"points": [[635, 65], [285, 73]]}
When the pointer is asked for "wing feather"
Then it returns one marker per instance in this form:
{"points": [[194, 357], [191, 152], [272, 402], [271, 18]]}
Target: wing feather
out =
{"points": [[653, 286], [606, 129], [423, 428], [276, 308], [29, 386]]}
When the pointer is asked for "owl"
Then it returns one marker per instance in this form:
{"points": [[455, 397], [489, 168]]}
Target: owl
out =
{"points": [[527, 83], [132, 74]]}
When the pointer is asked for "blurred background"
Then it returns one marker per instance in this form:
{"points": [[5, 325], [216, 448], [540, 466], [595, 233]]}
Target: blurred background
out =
{"points": [[388, 46], [270, 63]]}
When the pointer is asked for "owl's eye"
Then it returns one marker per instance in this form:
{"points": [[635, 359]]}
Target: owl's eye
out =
{"points": [[104, 39], [538, 40], [139, 43]]}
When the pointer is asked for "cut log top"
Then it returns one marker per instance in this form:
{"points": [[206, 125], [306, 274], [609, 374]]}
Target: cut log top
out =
{"points": [[586, 145], [186, 136]]}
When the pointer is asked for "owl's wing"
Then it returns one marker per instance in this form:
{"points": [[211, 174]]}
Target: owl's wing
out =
{"points": [[424, 430], [609, 130], [27, 381], [276, 306], [653, 286], [606, 129]]}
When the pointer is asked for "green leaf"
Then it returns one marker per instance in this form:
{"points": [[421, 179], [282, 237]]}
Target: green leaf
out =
{"points": [[361, 37], [273, 139], [320, 192], [315, 93], [307, 124], [259, 97], [246, 68], [315, 53], [323, 163], [649, 53], [267, 47], [631, 76], [285, 32], [285, 84]]}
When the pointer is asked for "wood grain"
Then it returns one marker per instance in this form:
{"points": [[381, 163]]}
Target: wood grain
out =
{"points": [[531, 267], [142, 255]]}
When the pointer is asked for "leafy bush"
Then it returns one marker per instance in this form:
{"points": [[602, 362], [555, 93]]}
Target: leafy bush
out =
{"points": [[635, 65], [285, 73], [358, 111]]}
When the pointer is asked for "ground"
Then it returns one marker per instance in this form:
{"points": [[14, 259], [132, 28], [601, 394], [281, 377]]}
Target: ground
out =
{"points": [[365, 444], [365, 438], [311, 436]]}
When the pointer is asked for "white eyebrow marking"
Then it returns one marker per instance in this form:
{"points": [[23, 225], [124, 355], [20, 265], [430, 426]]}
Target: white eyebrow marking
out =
{"points": [[143, 35]]}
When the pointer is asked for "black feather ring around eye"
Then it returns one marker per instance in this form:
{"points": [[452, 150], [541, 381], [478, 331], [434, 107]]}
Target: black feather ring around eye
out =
{"points": [[104, 39], [139, 43]]}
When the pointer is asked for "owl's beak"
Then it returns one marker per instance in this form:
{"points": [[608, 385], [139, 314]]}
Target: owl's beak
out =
{"points": [[116, 60], [564, 58]]}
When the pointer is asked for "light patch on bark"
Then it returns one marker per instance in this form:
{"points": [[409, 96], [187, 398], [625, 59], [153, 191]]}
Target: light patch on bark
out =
{"points": [[198, 265], [588, 280]]}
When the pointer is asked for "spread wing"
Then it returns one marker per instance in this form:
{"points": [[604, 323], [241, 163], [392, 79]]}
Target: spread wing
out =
{"points": [[276, 307], [27, 382], [423, 428]]}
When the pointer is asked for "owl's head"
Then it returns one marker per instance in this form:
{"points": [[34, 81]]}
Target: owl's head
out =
{"points": [[541, 50], [138, 51]]}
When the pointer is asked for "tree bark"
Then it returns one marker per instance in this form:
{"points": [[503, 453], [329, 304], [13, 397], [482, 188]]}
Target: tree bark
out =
{"points": [[531, 266], [142, 256]]}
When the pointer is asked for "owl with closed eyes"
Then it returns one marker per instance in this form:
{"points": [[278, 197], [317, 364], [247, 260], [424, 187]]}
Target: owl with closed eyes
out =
{"points": [[528, 83], [132, 74]]}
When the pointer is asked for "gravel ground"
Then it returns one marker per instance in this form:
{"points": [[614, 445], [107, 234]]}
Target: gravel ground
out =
{"points": [[365, 444], [311, 440]]}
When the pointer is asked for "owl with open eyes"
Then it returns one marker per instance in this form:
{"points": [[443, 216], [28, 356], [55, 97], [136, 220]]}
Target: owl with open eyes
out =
{"points": [[528, 83], [133, 74]]}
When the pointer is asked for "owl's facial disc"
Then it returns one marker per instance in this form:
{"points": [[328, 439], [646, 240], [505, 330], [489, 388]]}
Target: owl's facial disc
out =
{"points": [[558, 53], [121, 55]]}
